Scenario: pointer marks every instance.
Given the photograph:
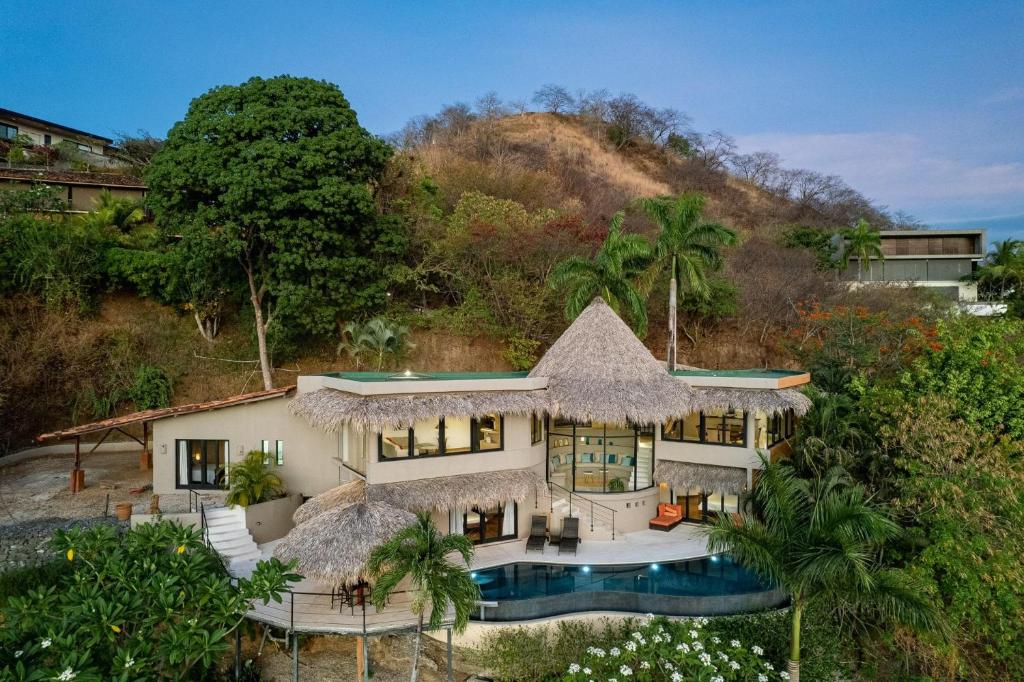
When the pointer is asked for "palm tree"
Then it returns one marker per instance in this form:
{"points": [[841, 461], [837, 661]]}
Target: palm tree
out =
{"points": [[865, 243], [832, 433], [610, 274], [688, 246], [819, 540], [420, 553], [378, 338], [1003, 270], [251, 482], [111, 212]]}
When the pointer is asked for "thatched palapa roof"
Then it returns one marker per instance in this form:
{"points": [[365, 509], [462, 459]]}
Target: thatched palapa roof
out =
{"points": [[330, 408], [707, 477], [346, 493], [769, 401], [334, 546], [598, 370], [459, 492]]}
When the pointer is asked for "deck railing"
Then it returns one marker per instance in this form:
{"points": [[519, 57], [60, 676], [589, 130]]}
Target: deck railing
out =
{"points": [[595, 510]]}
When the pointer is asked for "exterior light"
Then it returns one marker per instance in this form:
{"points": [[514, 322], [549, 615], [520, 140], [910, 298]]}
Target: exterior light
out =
{"points": [[655, 567], [408, 372], [585, 569], [473, 575], [714, 557]]}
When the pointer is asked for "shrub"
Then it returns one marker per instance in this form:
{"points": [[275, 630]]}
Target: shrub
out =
{"points": [[251, 482], [19, 581], [520, 352], [151, 388]]}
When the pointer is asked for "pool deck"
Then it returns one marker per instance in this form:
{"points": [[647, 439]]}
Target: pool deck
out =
{"points": [[309, 608]]}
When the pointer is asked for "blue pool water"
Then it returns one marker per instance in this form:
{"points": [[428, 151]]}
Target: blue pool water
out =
{"points": [[709, 576]]}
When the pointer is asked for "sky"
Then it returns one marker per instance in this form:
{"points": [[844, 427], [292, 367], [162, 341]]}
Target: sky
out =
{"points": [[920, 105]]}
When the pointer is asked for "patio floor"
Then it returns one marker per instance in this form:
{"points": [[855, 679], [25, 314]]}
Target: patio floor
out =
{"points": [[309, 609]]}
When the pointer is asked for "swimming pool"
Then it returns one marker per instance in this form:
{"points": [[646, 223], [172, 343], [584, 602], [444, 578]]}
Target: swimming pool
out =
{"points": [[714, 585]]}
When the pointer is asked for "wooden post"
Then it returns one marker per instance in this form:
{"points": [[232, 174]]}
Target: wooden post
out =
{"points": [[451, 671], [366, 659], [146, 458], [295, 656], [360, 658], [77, 474]]}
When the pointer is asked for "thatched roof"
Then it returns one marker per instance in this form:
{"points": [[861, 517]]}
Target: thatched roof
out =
{"points": [[330, 408], [708, 477], [459, 492], [769, 401], [346, 493], [334, 546], [598, 370]]}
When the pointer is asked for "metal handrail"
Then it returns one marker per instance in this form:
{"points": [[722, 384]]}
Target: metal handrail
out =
{"points": [[608, 511], [196, 504]]}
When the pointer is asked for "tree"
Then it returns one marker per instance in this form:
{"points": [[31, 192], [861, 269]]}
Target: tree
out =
{"points": [[420, 553], [554, 99], [150, 603], [251, 482], [281, 174], [378, 338], [112, 213], [610, 274], [862, 242], [819, 540], [1003, 270], [687, 247]]}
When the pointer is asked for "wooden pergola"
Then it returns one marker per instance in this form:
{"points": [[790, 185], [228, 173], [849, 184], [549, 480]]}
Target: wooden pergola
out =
{"points": [[119, 424]]}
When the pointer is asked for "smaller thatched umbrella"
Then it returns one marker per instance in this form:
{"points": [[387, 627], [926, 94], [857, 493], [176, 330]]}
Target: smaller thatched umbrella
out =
{"points": [[346, 493], [334, 546]]}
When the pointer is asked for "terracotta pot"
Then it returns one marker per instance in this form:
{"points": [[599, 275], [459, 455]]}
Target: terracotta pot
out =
{"points": [[123, 511]]}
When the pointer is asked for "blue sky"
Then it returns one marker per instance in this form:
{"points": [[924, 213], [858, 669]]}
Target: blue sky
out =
{"points": [[918, 104]]}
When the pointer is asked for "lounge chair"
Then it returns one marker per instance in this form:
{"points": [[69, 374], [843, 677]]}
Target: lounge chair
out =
{"points": [[669, 516], [570, 539], [538, 534]]}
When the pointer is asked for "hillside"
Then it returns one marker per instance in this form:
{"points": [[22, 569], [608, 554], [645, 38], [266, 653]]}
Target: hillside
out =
{"points": [[79, 366]]}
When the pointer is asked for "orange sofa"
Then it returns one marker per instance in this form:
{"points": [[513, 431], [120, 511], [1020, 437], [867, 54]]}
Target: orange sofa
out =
{"points": [[669, 516]]}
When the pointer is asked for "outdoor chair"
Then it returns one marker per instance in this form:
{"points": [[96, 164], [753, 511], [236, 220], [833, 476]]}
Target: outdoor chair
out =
{"points": [[669, 516], [538, 534], [570, 539]]}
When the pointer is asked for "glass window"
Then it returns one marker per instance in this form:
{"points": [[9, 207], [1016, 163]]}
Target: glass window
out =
{"points": [[279, 450], [735, 425], [672, 430], [536, 429], [487, 433], [691, 428], [265, 449], [601, 458], [395, 443], [489, 524], [201, 463], [8, 132], [427, 437], [458, 435], [714, 428]]}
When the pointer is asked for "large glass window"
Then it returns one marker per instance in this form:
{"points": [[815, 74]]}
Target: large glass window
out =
{"points": [[775, 428], [536, 429], [200, 463], [713, 428], [8, 132], [699, 505], [487, 524], [444, 436], [596, 457]]}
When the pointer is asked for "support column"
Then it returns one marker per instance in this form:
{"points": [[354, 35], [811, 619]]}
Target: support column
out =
{"points": [[146, 458], [360, 658], [295, 656], [238, 653], [78, 474], [451, 672], [366, 659]]}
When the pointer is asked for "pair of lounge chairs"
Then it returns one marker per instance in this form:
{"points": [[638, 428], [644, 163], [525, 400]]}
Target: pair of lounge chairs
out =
{"points": [[569, 541]]}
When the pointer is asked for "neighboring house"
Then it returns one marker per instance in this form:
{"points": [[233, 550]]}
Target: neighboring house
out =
{"points": [[937, 259], [78, 188], [48, 134]]}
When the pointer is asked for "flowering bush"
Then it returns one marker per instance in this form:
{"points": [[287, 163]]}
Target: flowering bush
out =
{"points": [[656, 652]]}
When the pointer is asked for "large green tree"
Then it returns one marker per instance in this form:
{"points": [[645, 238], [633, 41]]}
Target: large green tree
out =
{"points": [[863, 242], [421, 554], [280, 172], [611, 274], [688, 247], [819, 540]]}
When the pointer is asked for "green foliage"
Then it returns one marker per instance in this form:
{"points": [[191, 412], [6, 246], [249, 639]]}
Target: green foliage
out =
{"points": [[815, 240], [1001, 276], [151, 603], [20, 581], [976, 363], [862, 242], [611, 274], [111, 213], [616, 485], [252, 482], [720, 301], [679, 144], [378, 340], [39, 198], [659, 650], [520, 352], [420, 555], [151, 388]]}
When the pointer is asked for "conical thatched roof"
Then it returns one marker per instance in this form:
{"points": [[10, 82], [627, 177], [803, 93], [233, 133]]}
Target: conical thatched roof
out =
{"points": [[769, 401], [330, 408], [346, 493], [334, 546], [459, 492], [598, 370], [708, 477]]}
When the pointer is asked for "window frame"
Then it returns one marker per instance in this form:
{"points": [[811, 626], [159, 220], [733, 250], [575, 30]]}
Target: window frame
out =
{"points": [[177, 463], [279, 453], [702, 431], [7, 127], [537, 426], [474, 443]]}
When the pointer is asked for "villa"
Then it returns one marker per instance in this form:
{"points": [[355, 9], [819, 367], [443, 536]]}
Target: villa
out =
{"points": [[599, 432]]}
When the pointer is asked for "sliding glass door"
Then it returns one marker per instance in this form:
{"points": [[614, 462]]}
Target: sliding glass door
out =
{"points": [[488, 524]]}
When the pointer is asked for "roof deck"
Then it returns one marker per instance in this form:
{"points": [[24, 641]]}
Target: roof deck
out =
{"points": [[744, 378]]}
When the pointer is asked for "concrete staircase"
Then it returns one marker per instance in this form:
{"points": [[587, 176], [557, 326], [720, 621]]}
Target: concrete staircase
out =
{"points": [[558, 502], [226, 531]]}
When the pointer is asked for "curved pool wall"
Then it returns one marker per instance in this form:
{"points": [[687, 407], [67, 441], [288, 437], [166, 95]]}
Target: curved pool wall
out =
{"points": [[710, 586]]}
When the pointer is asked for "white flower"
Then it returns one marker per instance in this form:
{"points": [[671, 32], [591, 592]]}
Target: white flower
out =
{"points": [[717, 678], [586, 671], [684, 647], [703, 621], [645, 665], [734, 643], [626, 670], [18, 653], [637, 636], [705, 658], [68, 674], [697, 646], [46, 643], [676, 677], [716, 640], [734, 665], [784, 675], [757, 650], [761, 677], [614, 651], [694, 634], [657, 639], [723, 656], [129, 662], [631, 646], [574, 668], [668, 665], [769, 666]]}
